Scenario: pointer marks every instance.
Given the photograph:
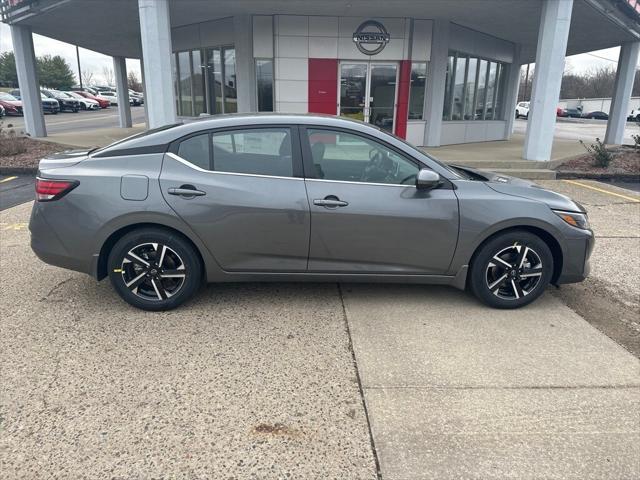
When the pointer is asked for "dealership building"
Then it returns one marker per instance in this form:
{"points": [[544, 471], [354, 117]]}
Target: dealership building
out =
{"points": [[435, 72]]}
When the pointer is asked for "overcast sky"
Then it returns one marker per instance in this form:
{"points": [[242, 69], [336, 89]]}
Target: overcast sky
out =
{"points": [[96, 62]]}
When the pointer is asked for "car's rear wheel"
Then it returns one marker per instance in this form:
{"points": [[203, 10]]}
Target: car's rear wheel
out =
{"points": [[154, 269], [511, 270]]}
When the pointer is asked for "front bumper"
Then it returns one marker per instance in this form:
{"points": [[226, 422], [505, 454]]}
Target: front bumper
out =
{"points": [[50, 108], [576, 264]]}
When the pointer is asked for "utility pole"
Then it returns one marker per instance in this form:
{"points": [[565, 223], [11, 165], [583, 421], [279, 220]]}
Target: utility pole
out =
{"points": [[79, 71], [526, 83]]}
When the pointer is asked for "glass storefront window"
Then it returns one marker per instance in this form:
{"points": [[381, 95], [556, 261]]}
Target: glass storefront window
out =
{"points": [[230, 86], [458, 88], [184, 83], [198, 83], [470, 89], [446, 113], [206, 81], [482, 90], [416, 91], [473, 88], [264, 81]]}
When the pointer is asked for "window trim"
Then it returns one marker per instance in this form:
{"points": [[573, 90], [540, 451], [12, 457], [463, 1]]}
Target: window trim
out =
{"points": [[296, 152]]}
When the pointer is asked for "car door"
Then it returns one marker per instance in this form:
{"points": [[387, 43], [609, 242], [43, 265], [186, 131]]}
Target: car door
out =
{"points": [[241, 190], [367, 215]]}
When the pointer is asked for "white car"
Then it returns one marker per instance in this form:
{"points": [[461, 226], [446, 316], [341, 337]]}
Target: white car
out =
{"points": [[522, 110], [85, 103], [634, 116], [113, 97]]}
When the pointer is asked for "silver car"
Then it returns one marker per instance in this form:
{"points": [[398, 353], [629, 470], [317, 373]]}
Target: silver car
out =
{"points": [[298, 198]]}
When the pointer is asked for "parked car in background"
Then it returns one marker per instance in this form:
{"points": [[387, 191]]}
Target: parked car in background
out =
{"points": [[113, 97], [103, 102], [2, 112], [10, 104], [298, 197], [49, 105], [109, 95], [522, 110], [573, 112], [85, 103], [138, 95], [634, 116], [67, 102], [598, 115], [560, 112]]}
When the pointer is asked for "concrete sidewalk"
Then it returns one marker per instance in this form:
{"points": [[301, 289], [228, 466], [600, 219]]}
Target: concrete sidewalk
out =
{"points": [[501, 153], [455, 390]]}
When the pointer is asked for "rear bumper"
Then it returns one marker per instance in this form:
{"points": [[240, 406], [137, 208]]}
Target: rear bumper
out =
{"points": [[576, 264], [47, 246]]}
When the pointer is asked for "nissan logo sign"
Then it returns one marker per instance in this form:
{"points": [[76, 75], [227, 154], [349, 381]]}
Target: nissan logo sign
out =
{"points": [[371, 37]]}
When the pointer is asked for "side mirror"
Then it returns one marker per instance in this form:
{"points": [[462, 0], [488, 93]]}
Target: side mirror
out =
{"points": [[427, 179]]}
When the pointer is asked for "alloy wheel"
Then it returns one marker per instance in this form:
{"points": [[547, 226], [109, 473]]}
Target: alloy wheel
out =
{"points": [[514, 272], [153, 271]]}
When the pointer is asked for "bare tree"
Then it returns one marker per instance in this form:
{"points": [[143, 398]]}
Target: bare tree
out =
{"points": [[109, 77], [133, 82], [87, 77]]}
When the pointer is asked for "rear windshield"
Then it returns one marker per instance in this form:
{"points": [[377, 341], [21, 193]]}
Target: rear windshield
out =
{"points": [[138, 135]]}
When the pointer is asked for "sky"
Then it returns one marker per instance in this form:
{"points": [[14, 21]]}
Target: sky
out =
{"points": [[96, 62], [89, 60]]}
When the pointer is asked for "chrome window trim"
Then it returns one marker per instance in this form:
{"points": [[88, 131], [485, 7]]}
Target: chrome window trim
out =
{"points": [[359, 183], [199, 169]]}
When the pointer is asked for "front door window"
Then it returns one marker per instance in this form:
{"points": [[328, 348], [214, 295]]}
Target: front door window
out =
{"points": [[368, 92]]}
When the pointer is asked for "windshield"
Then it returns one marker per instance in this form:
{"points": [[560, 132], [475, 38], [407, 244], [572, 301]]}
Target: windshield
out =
{"points": [[73, 94], [7, 97], [454, 171]]}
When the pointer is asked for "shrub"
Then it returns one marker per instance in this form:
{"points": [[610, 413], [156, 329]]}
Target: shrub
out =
{"points": [[636, 138], [11, 142], [601, 156]]}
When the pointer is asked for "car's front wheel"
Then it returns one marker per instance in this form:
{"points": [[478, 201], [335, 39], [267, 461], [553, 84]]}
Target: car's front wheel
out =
{"points": [[511, 270], [154, 269]]}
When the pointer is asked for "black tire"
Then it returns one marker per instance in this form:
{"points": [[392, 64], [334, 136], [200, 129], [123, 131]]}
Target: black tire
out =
{"points": [[517, 115], [518, 289], [148, 288]]}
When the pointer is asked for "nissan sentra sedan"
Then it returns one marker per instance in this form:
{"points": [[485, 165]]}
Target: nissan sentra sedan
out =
{"points": [[298, 198]]}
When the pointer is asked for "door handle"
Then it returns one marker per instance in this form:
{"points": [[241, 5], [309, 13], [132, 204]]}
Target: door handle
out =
{"points": [[187, 191], [330, 202]]}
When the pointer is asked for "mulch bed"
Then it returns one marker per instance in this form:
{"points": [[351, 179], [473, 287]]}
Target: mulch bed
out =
{"points": [[34, 151], [625, 164]]}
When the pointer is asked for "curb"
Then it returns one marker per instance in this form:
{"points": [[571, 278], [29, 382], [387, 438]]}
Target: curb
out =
{"points": [[18, 170], [622, 177]]}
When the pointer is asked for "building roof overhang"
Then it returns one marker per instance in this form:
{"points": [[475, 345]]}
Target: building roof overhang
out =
{"points": [[112, 26]]}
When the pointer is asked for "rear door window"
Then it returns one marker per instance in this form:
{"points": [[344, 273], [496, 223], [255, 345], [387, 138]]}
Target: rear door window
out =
{"points": [[258, 151]]}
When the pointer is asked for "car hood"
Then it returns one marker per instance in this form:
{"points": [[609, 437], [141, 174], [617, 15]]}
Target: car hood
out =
{"points": [[518, 187], [15, 103]]}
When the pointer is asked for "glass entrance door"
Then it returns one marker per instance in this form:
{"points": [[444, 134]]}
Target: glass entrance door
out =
{"points": [[368, 92]]}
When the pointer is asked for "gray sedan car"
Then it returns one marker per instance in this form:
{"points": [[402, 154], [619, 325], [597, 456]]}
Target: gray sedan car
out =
{"points": [[298, 198]]}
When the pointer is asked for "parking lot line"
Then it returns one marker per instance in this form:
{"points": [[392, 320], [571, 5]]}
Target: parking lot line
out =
{"points": [[8, 179], [602, 190]]}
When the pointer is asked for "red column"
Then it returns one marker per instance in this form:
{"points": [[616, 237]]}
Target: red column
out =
{"points": [[402, 113], [323, 85]]}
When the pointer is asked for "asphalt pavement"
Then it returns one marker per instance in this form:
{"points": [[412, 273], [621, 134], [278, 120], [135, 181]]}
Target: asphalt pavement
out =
{"points": [[82, 121], [16, 189]]}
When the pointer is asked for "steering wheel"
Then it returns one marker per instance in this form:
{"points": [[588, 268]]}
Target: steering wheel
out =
{"points": [[413, 175]]}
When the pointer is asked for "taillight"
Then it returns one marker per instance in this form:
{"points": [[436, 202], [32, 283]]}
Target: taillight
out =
{"points": [[48, 190]]}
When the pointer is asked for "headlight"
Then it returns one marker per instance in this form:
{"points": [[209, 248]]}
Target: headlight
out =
{"points": [[578, 220]]}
